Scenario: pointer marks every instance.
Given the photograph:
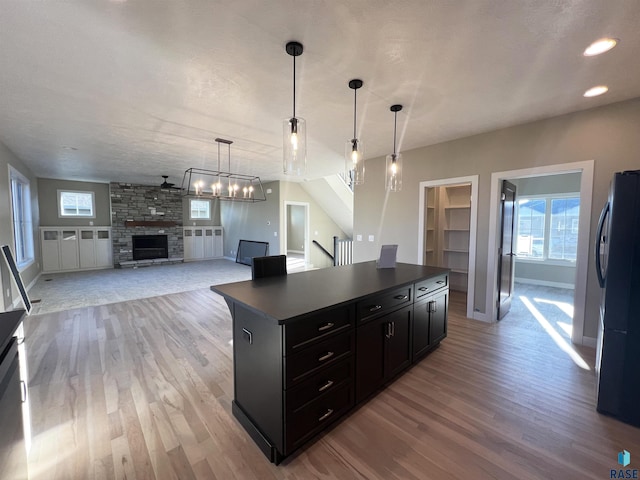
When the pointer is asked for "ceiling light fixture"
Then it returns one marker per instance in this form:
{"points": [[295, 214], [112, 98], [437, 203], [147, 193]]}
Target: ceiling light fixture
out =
{"points": [[393, 176], [354, 150], [600, 46], [595, 91], [221, 184], [295, 129]]}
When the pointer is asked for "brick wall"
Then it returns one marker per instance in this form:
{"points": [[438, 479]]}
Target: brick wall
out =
{"points": [[144, 203]]}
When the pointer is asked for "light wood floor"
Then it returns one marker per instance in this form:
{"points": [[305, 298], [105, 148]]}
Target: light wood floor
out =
{"points": [[143, 389]]}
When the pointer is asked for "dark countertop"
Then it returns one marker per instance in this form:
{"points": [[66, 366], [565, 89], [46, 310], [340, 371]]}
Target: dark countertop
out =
{"points": [[9, 322], [289, 296]]}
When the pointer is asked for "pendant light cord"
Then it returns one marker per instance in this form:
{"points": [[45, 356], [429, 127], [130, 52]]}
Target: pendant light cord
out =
{"points": [[294, 86], [395, 123], [355, 92]]}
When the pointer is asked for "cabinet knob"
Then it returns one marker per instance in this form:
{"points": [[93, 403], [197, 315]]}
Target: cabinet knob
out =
{"points": [[325, 386], [326, 326], [326, 415], [326, 356]]}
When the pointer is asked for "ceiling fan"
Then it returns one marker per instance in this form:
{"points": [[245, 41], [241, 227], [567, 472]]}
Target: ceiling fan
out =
{"points": [[168, 185]]}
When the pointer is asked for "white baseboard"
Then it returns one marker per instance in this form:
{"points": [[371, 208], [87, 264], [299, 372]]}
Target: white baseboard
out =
{"points": [[298, 252], [483, 317], [545, 283], [589, 342]]}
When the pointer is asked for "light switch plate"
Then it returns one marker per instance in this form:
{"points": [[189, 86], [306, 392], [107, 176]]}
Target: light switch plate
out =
{"points": [[371, 238], [359, 238]]}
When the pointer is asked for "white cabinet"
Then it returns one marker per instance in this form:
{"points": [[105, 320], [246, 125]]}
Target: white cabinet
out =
{"points": [[202, 243], [71, 248]]}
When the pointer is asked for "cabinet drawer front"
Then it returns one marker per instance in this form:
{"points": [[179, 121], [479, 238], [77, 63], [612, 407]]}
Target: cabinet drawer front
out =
{"points": [[372, 306], [303, 364], [315, 327], [431, 285], [315, 416], [325, 381]]}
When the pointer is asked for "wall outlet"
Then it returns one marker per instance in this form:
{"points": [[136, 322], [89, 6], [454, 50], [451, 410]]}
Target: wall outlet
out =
{"points": [[275, 234], [359, 238], [8, 292], [91, 223]]}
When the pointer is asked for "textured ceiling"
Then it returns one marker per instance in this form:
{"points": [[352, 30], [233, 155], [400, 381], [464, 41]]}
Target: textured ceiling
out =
{"points": [[130, 90]]}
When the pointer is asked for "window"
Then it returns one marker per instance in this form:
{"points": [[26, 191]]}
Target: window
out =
{"points": [[21, 213], [199, 209], [548, 227], [76, 204]]}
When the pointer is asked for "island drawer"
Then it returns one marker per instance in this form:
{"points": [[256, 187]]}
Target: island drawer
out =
{"points": [[374, 305], [302, 332], [315, 416], [301, 365], [321, 383], [431, 285]]}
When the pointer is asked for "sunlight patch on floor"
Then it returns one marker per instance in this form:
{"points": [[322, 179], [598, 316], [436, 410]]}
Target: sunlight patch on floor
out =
{"points": [[565, 307], [566, 327], [555, 336]]}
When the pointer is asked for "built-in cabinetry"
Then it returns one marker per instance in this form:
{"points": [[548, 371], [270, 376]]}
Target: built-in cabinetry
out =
{"points": [[202, 242], [75, 248], [448, 215], [299, 365]]}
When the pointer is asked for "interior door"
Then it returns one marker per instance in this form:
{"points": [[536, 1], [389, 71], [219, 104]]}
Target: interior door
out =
{"points": [[506, 264]]}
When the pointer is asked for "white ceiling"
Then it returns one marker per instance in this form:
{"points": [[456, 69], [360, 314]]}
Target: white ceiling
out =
{"points": [[131, 90]]}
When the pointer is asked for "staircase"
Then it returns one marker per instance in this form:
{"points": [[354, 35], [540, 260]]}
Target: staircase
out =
{"points": [[335, 198]]}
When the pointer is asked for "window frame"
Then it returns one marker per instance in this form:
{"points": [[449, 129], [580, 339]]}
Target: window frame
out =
{"points": [[93, 203], [204, 200], [548, 197], [23, 260]]}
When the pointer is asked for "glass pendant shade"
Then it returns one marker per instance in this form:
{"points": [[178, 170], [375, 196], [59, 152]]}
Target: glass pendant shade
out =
{"points": [[295, 145], [354, 161], [394, 172]]}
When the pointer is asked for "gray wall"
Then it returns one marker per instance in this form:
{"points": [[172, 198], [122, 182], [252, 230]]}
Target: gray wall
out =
{"points": [[30, 273], [321, 227], [545, 271], [608, 135], [252, 221], [48, 202]]}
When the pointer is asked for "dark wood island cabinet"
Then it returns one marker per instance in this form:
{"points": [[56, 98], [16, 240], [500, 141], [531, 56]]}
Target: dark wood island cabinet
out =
{"points": [[309, 346]]}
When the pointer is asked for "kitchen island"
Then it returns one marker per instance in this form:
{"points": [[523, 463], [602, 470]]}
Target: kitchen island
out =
{"points": [[309, 346]]}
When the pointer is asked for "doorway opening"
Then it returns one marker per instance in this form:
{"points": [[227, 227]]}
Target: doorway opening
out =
{"points": [[447, 231], [296, 235], [546, 269]]}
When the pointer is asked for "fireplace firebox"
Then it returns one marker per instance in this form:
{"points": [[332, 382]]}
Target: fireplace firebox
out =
{"points": [[147, 247]]}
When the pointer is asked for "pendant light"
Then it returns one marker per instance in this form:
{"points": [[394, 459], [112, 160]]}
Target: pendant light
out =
{"points": [[354, 149], [393, 177], [295, 131]]}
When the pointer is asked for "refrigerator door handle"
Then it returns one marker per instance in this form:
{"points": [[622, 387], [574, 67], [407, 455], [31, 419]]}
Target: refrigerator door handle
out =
{"points": [[603, 216]]}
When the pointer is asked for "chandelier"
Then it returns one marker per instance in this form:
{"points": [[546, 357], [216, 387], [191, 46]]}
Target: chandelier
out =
{"points": [[220, 184]]}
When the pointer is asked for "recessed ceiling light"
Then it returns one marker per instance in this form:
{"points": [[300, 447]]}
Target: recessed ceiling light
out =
{"points": [[595, 91], [600, 46]]}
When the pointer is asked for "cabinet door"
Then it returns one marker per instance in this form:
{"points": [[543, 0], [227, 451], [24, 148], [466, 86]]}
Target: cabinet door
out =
{"points": [[370, 343], [50, 250], [69, 250], [398, 342], [104, 248], [218, 250], [421, 339], [208, 242], [87, 248], [438, 317], [188, 244], [198, 243]]}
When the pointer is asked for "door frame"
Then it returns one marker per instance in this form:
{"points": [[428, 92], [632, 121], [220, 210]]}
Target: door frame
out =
{"points": [[306, 228], [473, 230], [584, 236]]}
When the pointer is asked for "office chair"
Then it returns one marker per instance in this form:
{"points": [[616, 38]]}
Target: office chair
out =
{"points": [[268, 266]]}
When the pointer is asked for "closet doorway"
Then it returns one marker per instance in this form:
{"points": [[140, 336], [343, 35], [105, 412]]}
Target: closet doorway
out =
{"points": [[448, 223]]}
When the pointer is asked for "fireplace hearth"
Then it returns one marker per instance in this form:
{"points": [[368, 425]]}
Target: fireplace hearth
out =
{"points": [[147, 247]]}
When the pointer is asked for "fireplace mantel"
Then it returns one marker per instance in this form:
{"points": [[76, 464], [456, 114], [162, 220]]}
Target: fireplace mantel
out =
{"points": [[150, 223]]}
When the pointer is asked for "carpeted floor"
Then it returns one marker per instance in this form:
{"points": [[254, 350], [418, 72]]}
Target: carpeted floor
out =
{"points": [[54, 292]]}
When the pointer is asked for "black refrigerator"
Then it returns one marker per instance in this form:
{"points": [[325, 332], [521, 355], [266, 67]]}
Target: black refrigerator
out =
{"points": [[617, 252]]}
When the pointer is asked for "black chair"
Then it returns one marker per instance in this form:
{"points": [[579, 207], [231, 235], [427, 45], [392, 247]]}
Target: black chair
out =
{"points": [[270, 266]]}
